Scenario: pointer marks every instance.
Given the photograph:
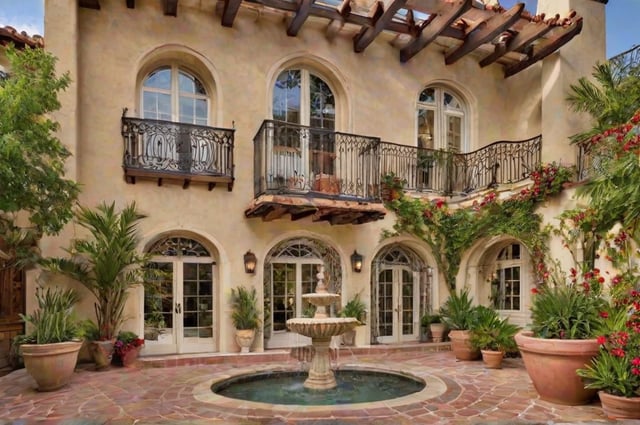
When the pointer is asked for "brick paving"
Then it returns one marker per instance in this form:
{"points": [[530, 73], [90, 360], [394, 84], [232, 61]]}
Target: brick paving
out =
{"points": [[174, 390]]}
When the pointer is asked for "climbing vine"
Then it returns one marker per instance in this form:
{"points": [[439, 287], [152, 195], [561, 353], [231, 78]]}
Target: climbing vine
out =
{"points": [[449, 232]]}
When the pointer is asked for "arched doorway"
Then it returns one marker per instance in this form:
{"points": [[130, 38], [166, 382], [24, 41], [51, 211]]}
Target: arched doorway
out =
{"points": [[180, 305], [289, 272], [400, 294]]}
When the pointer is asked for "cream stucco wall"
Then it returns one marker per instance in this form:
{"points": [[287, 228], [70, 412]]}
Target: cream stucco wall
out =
{"points": [[107, 51]]}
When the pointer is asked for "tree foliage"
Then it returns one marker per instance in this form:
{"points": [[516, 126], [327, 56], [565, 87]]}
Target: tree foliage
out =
{"points": [[32, 158], [610, 97]]}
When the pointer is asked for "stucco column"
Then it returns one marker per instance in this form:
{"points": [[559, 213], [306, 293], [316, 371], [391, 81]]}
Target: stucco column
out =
{"points": [[61, 39], [563, 68]]}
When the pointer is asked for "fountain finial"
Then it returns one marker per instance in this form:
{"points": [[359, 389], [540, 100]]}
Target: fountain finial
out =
{"points": [[321, 288]]}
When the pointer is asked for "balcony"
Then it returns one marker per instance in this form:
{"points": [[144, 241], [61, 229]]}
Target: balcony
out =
{"points": [[177, 152], [451, 174], [305, 171]]}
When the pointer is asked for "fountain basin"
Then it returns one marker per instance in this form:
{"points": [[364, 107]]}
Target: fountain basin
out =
{"points": [[286, 387], [322, 328]]}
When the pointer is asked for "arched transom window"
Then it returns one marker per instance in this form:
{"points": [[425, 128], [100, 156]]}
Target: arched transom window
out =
{"points": [[441, 120], [172, 93]]}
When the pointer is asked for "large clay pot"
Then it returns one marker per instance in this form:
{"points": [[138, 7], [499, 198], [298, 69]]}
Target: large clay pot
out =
{"points": [[552, 365], [244, 338], [51, 365], [616, 407], [461, 345], [492, 359]]}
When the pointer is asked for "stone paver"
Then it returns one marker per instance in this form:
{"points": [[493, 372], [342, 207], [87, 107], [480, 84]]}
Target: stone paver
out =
{"points": [[156, 395]]}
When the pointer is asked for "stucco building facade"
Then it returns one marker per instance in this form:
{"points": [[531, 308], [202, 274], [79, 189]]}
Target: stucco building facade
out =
{"points": [[265, 127]]}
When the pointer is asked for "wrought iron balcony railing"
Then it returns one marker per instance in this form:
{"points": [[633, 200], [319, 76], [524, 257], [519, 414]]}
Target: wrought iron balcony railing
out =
{"points": [[296, 159], [450, 173], [170, 150]]}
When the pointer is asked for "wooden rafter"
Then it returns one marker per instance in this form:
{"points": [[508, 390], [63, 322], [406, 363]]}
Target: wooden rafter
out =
{"points": [[230, 11], [558, 39], [531, 32], [90, 4], [170, 7], [491, 28], [304, 8], [433, 27], [369, 33], [131, 4]]}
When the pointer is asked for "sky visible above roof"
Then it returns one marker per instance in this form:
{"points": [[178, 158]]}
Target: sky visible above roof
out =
{"points": [[622, 15]]}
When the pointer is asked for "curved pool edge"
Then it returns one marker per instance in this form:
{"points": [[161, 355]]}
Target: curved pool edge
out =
{"points": [[434, 387]]}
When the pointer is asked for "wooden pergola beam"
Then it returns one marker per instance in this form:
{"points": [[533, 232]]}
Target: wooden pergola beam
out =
{"points": [[170, 7], [530, 33], [433, 27], [90, 4], [557, 40], [491, 29], [369, 33], [229, 12], [131, 4], [304, 8]]}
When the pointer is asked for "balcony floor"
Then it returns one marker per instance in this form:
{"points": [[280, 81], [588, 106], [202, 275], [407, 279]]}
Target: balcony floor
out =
{"points": [[335, 211]]}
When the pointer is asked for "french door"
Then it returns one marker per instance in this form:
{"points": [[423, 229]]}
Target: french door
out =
{"points": [[182, 309], [398, 305]]}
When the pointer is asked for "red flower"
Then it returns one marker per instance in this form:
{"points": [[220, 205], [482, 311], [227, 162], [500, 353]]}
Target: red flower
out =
{"points": [[635, 371], [618, 352], [636, 361], [604, 314], [534, 291], [602, 339]]}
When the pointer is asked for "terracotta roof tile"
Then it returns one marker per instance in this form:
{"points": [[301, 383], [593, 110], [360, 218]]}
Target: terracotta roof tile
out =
{"points": [[19, 39]]}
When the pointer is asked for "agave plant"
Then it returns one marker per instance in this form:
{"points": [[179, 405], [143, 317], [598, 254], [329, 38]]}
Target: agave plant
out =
{"points": [[458, 313], [54, 320], [107, 263]]}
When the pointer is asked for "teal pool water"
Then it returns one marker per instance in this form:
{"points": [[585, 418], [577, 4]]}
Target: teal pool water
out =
{"points": [[354, 386]]}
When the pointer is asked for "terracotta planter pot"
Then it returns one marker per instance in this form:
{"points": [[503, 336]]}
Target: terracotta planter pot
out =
{"points": [[244, 338], [492, 359], [51, 365], [552, 365], [616, 407], [461, 346], [437, 331], [130, 358], [102, 352]]}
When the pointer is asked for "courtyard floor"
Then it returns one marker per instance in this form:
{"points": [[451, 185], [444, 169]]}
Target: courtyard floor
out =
{"points": [[172, 390]]}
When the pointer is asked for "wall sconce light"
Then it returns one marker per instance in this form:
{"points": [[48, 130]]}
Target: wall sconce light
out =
{"points": [[356, 261], [250, 262]]}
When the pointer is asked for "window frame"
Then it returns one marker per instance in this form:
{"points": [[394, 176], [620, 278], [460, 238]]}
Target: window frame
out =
{"points": [[440, 135], [176, 94]]}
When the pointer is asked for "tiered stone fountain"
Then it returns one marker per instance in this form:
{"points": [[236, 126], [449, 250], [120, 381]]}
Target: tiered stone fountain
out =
{"points": [[321, 328]]}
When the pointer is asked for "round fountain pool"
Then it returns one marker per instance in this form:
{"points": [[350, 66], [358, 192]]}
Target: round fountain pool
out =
{"points": [[286, 387]]}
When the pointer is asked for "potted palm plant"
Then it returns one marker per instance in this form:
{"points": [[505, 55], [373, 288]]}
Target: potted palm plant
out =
{"points": [[50, 351], [108, 264], [493, 336], [357, 309], [562, 340], [459, 315], [245, 316]]}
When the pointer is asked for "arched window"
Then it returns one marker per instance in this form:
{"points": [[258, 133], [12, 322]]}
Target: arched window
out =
{"points": [[172, 93], [506, 282], [303, 98], [441, 120]]}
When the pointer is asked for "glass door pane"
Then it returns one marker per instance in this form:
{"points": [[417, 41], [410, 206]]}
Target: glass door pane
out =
{"points": [[385, 305], [284, 295], [408, 312], [197, 301], [159, 320]]}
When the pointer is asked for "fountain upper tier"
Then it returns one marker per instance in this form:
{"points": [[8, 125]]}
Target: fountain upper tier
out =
{"points": [[322, 328]]}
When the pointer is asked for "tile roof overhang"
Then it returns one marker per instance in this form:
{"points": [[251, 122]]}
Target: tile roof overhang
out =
{"points": [[514, 38], [19, 39]]}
